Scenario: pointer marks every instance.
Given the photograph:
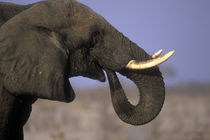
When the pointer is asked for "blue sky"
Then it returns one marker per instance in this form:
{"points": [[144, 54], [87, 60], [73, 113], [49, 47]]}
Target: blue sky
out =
{"points": [[180, 25]]}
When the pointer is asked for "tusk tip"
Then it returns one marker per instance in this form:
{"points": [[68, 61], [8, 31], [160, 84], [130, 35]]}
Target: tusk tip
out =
{"points": [[160, 51], [171, 52], [155, 55], [168, 55]]}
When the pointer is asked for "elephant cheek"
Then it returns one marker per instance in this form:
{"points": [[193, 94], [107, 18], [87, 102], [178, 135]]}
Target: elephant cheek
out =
{"points": [[111, 58]]}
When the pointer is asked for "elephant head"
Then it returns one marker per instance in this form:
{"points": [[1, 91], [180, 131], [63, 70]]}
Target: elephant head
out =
{"points": [[46, 43]]}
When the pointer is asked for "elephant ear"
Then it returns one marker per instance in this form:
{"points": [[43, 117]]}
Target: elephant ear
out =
{"points": [[34, 62]]}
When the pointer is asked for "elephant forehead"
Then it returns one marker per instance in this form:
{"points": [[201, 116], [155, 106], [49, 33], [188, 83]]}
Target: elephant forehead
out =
{"points": [[77, 36], [46, 13]]}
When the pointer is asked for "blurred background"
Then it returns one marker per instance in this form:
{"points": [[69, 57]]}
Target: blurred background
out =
{"points": [[183, 26]]}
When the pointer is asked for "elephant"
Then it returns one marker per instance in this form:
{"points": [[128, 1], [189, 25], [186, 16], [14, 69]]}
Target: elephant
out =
{"points": [[43, 44]]}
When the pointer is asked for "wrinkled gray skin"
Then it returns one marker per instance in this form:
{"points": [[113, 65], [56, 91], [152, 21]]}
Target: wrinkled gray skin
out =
{"points": [[44, 44]]}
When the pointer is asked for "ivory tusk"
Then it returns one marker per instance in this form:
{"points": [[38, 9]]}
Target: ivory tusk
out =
{"points": [[157, 54], [133, 64]]}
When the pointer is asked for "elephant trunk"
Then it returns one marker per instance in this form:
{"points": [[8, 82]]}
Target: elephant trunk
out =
{"points": [[114, 55], [151, 89]]}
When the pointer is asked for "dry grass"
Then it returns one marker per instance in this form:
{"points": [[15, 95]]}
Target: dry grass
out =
{"points": [[185, 116]]}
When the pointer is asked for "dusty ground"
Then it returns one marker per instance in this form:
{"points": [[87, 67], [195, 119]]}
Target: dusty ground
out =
{"points": [[185, 116]]}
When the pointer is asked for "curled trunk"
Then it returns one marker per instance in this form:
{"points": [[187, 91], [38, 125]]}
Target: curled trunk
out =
{"points": [[151, 91]]}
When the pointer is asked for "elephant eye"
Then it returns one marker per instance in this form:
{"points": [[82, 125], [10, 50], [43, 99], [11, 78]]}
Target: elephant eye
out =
{"points": [[96, 37], [43, 29]]}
